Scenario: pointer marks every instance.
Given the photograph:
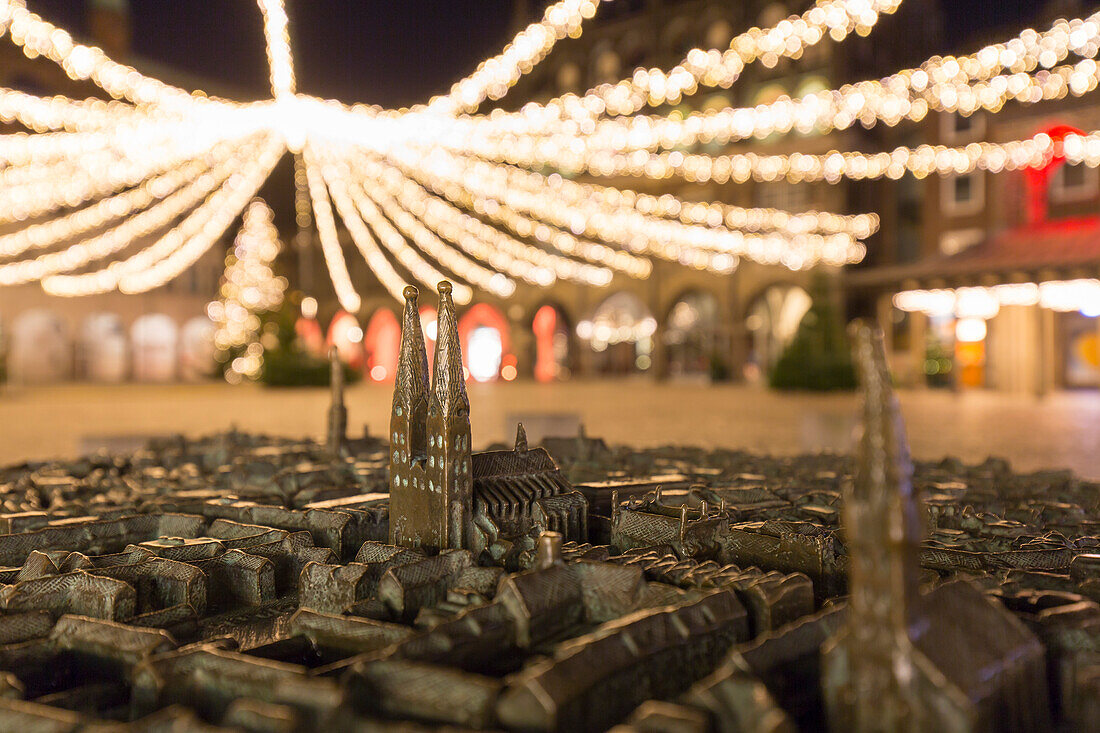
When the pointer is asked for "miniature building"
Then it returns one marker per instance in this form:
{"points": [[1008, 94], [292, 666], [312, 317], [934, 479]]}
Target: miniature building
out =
{"points": [[437, 487], [522, 488], [948, 659], [646, 522]]}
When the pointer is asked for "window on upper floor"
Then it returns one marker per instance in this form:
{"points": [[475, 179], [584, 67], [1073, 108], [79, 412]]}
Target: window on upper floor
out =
{"points": [[773, 15], [962, 194], [783, 195], [955, 128], [606, 66], [569, 78], [719, 34], [1073, 183]]}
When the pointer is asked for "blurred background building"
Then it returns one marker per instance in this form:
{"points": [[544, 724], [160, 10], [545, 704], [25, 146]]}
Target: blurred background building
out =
{"points": [[975, 231], [162, 335], [1017, 250], [682, 323]]}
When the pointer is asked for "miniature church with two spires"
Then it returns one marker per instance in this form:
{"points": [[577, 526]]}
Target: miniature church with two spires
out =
{"points": [[443, 496]]}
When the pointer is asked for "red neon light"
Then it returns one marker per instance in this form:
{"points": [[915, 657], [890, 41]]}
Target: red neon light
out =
{"points": [[1038, 178]]}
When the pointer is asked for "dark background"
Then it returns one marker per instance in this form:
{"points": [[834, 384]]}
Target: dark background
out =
{"points": [[389, 52]]}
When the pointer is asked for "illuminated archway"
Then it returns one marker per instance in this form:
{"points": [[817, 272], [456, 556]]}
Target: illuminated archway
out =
{"points": [[691, 335], [40, 350], [551, 344], [345, 333], [621, 333], [382, 343], [772, 321], [486, 345], [197, 348], [155, 337], [103, 348]]}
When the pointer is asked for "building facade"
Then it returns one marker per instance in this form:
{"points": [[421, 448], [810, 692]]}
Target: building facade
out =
{"points": [[679, 322], [162, 335], [991, 278]]}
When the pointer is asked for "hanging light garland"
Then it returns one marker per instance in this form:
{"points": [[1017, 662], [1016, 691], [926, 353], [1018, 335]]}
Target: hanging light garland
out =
{"points": [[441, 192]]}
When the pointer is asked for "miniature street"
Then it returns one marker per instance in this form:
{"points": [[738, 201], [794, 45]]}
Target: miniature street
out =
{"points": [[260, 583], [1057, 431]]}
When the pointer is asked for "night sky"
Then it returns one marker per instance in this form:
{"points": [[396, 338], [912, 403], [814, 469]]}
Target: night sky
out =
{"points": [[389, 52]]}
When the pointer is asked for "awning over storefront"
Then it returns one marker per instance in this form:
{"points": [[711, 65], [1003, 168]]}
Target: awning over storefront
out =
{"points": [[1050, 250]]}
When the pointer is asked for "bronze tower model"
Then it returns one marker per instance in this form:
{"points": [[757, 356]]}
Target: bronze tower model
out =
{"points": [[337, 412], [431, 488], [908, 659], [883, 526]]}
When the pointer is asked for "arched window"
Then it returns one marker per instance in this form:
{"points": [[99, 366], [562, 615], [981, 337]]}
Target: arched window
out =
{"points": [[382, 343], [551, 344], [772, 15], [606, 65], [155, 337], [197, 349], [40, 349], [678, 38], [568, 78], [772, 322], [719, 34], [102, 348], [692, 336], [621, 333], [486, 345], [345, 333]]}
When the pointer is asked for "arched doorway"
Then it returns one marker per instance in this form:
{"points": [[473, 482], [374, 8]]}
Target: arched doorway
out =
{"points": [[621, 333], [103, 346], [197, 349], [346, 335], [692, 336], [772, 321], [484, 333], [40, 350], [308, 329], [154, 337], [551, 344], [382, 342]]}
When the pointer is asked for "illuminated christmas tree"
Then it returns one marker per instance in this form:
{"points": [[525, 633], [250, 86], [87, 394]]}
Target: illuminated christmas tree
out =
{"points": [[818, 358], [249, 289]]}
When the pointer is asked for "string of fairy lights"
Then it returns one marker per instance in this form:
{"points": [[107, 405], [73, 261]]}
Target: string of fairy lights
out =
{"points": [[128, 192]]}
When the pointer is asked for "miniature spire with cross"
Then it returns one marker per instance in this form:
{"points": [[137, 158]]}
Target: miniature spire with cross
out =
{"points": [[337, 413], [521, 439]]}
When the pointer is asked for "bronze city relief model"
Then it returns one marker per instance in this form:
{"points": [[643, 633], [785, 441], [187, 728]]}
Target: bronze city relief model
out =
{"points": [[251, 583]]}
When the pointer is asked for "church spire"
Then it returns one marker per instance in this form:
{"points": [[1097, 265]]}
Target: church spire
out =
{"points": [[871, 685], [885, 524], [449, 383], [337, 413], [412, 365]]}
